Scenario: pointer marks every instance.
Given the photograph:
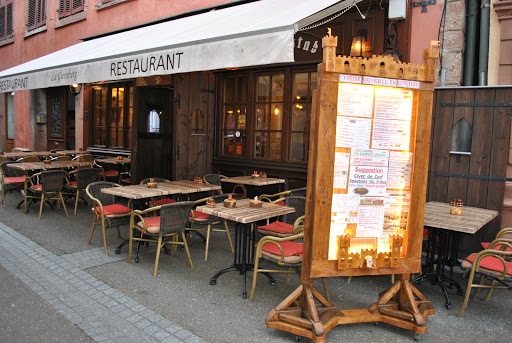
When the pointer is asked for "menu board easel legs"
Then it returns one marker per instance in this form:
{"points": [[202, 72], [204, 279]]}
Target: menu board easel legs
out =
{"points": [[307, 313]]}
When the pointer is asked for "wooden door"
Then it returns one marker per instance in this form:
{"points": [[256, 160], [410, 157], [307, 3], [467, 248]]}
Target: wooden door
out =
{"points": [[154, 132], [57, 125], [9, 122]]}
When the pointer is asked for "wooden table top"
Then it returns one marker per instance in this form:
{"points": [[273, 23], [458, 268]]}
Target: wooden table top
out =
{"points": [[33, 166], [21, 154], [245, 214], [71, 152], [249, 180], [164, 188], [114, 160], [437, 214]]}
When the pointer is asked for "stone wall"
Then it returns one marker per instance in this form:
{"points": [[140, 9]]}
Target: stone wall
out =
{"points": [[452, 40]]}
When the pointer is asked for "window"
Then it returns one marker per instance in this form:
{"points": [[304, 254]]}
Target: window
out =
{"points": [[112, 116], [235, 116], [70, 7], [269, 116], [154, 121], [6, 23], [303, 85], [36, 14], [275, 126]]}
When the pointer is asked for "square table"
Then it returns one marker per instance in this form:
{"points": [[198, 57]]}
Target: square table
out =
{"points": [[138, 192], [35, 166], [253, 183], [244, 216], [445, 232]]}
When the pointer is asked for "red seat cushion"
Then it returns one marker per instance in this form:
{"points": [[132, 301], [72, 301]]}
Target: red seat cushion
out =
{"points": [[112, 209], [485, 245], [200, 215], [152, 224], [73, 183], [110, 173], [280, 203], [164, 201], [491, 263], [37, 187], [278, 227], [14, 179], [290, 248]]}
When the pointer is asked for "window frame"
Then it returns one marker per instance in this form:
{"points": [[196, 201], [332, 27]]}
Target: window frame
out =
{"points": [[109, 109], [286, 131], [4, 4], [40, 14], [67, 8]]}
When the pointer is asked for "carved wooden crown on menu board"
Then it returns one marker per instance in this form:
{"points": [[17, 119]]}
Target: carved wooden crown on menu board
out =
{"points": [[381, 66]]}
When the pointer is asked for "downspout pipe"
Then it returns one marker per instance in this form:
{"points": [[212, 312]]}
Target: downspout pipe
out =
{"points": [[469, 53], [483, 51]]}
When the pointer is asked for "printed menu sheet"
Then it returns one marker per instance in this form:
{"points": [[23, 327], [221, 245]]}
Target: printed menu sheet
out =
{"points": [[341, 164], [372, 164], [355, 100], [353, 132]]}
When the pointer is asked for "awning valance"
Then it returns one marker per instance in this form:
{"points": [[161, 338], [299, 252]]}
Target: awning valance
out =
{"points": [[251, 34]]}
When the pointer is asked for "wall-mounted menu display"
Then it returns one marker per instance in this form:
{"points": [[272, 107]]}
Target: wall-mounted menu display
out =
{"points": [[373, 164]]}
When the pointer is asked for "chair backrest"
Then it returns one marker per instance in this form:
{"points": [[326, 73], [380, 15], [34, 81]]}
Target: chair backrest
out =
{"points": [[213, 179], [86, 176], [299, 203], [300, 192], [10, 172], [94, 190], [156, 179], [29, 159], [218, 198], [63, 158], [52, 180], [173, 217]]}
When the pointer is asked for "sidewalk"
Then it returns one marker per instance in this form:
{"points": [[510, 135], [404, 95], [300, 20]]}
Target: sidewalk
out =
{"points": [[113, 301]]}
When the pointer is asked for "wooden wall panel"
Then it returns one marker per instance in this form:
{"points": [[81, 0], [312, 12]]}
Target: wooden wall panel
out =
{"points": [[489, 152]]}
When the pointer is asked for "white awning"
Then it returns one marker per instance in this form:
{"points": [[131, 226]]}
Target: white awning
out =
{"points": [[251, 34]]}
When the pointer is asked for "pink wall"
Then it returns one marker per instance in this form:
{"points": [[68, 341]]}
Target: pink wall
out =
{"points": [[424, 28], [110, 18], [119, 16]]}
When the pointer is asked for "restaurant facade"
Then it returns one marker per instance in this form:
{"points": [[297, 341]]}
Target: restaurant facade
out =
{"points": [[190, 91]]}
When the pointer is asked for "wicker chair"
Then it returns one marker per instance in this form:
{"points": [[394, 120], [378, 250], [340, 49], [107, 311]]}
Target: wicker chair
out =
{"points": [[163, 200], [106, 174], [78, 180], [62, 158], [29, 159], [163, 229], [239, 190], [50, 188], [285, 252], [202, 220], [11, 179], [107, 209], [492, 264], [299, 192], [285, 226]]}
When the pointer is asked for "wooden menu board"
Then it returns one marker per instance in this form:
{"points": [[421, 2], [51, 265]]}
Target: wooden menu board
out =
{"points": [[367, 177]]}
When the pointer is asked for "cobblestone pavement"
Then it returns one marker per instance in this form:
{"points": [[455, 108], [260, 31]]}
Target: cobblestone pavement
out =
{"points": [[103, 313]]}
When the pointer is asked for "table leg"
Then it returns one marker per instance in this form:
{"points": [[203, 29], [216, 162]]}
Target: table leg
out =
{"points": [[442, 248], [243, 256]]}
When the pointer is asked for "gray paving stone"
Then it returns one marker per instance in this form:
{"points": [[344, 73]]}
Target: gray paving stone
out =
{"points": [[98, 309]]}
